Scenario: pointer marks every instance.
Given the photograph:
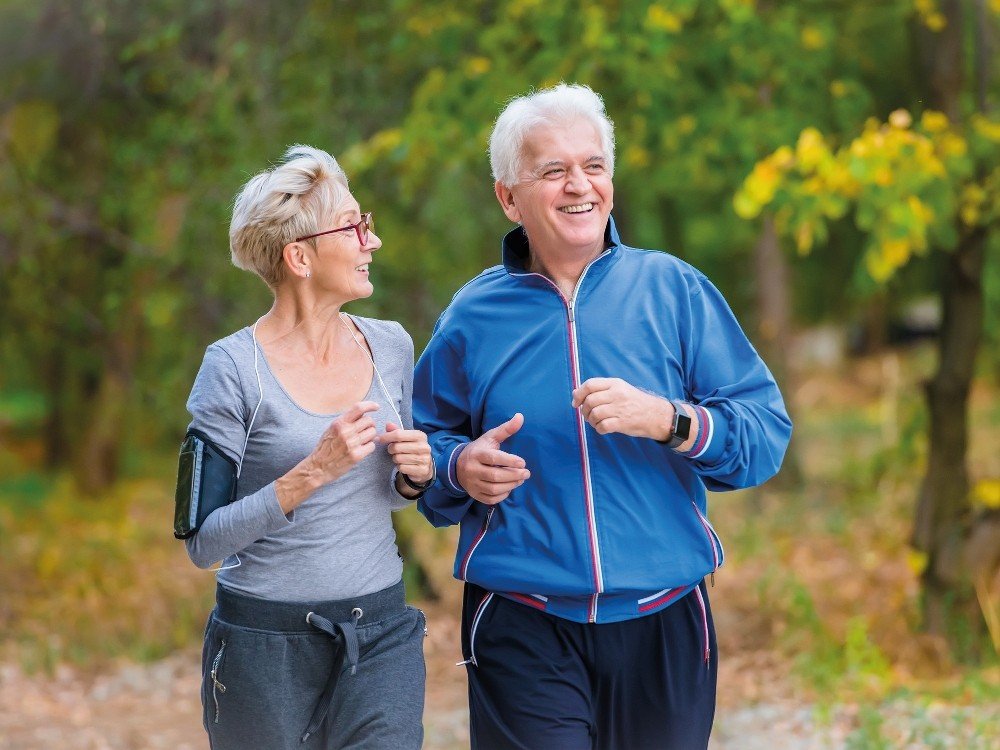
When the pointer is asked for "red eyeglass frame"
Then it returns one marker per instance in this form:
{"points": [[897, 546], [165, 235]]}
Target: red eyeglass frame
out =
{"points": [[362, 228]]}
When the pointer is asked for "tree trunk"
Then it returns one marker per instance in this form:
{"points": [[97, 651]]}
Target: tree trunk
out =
{"points": [[943, 523], [944, 511], [774, 328], [97, 455]]}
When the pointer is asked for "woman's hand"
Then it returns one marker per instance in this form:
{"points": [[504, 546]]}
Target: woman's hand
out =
{"points": [[410, 452], [349, 439]]}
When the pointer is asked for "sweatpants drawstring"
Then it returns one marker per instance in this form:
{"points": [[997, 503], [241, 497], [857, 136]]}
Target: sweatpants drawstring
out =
{"points": [[345, 644]]}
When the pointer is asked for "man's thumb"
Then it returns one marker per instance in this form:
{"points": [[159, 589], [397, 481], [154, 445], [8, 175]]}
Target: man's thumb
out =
{"points": [[390, 427], [508, 428]]}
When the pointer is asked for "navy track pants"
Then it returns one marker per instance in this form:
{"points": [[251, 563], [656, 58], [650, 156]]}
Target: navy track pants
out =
{"points": [[537, 681]]}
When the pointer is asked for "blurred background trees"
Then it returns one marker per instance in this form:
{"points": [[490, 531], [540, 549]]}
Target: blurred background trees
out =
{"points": [[800, 153]]}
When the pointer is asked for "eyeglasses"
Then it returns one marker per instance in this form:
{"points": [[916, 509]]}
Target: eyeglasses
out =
{"points": [[362, 228]]}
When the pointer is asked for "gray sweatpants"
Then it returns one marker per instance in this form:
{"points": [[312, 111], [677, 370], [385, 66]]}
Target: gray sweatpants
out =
{"points": [[267, 667]]}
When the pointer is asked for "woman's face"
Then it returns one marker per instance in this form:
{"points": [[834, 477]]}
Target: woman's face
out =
{"points": [[341, 265]]}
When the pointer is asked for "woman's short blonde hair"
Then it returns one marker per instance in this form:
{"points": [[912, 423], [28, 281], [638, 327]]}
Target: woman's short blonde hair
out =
{"points": [[290, 200]]}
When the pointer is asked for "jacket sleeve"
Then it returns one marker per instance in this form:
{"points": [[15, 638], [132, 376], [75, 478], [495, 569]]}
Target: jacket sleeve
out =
{"points": [[747, 426], [441, 409], [218, 410]]}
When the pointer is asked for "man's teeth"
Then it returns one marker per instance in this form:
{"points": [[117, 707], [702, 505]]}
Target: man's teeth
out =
{"points": [[577, 209], [363, 267]]}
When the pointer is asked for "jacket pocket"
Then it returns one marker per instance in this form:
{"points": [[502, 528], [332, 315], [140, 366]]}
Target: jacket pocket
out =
{"points": [[464, 569], [480, 611], [718, 555]]}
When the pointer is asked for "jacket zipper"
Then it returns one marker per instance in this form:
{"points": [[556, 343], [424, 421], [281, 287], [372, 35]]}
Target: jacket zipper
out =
{"points": [[217, 687], [475, 542], [595, 549], [709, 532]]}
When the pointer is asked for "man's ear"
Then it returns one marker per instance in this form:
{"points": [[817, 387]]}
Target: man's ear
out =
{"points": [[296, 260], [506, 198]]}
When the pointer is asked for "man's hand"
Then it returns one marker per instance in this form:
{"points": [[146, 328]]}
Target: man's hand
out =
{"points": [[486, 472], [612, 405]]}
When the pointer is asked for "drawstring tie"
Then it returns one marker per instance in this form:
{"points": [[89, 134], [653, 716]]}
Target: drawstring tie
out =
{"points": [[345, 644]]}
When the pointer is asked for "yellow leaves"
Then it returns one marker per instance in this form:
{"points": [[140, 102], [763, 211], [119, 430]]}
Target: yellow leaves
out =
{"points": [[477, 66], [921, 211], [930, 14], [880, 264], [804, 238], [916, 561], [744, 206], [686, 124], [31, 128], [784, 157], [934, 122], [984, 126], [659, 18], [882, 176], [986, 493], [949, 144], [812, 38], [971, 204], [636, 156], [763, 182], [810, 149], [903, 184], [361, 156]]}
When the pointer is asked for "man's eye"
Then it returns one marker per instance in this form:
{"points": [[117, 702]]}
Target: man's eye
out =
{"points": [[595, 168], [551, 174]]}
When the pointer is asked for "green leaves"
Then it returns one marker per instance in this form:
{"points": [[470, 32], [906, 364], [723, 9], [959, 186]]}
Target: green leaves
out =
{"points": [[29, 129]]}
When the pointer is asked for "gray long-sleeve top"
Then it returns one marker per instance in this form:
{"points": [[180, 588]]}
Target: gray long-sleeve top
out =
{"points": [[340, 541]]}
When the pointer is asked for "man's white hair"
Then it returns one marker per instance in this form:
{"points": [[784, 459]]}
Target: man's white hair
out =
{"points": [[560, 105]]}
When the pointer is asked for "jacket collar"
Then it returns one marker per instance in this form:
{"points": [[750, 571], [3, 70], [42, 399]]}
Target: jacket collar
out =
{"points": [[514, 249]]}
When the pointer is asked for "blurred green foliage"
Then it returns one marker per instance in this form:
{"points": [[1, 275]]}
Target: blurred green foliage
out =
{"points": [[126, 129]]}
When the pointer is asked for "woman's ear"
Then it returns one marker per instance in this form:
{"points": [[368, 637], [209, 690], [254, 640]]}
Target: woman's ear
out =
{"points": [[297, 259]]}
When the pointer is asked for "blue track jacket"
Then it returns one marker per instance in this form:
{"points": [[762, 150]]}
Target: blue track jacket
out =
{"points": [[608, 527]]}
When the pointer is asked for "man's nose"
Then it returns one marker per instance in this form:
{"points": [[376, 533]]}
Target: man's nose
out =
{"points": [[577, 180]]}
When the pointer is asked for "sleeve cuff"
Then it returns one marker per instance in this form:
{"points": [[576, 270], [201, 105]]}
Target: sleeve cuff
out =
{"points": [[449, 476], [277, 519], [710, 442]]}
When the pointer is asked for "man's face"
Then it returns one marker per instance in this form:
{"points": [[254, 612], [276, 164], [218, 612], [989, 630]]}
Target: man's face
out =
{"points": [[564, 194]]}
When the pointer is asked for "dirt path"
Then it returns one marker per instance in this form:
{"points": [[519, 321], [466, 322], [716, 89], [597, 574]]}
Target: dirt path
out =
{"points": [[154, 706]]}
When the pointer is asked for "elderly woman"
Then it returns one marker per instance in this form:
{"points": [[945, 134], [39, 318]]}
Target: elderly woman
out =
{"points": [[302, 443]]}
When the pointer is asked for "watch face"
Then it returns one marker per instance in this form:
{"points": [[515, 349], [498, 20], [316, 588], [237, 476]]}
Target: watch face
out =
{"points": [[682, 426]]}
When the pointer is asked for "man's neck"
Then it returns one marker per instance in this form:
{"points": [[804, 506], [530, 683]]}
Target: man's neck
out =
{"points": [[563, 272]]}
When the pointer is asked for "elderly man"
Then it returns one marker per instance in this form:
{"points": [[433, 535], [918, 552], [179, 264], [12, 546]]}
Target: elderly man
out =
{"points": [[580, 398]]}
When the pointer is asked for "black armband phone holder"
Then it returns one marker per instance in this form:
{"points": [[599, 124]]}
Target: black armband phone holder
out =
{"points": [[206, 481]]}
